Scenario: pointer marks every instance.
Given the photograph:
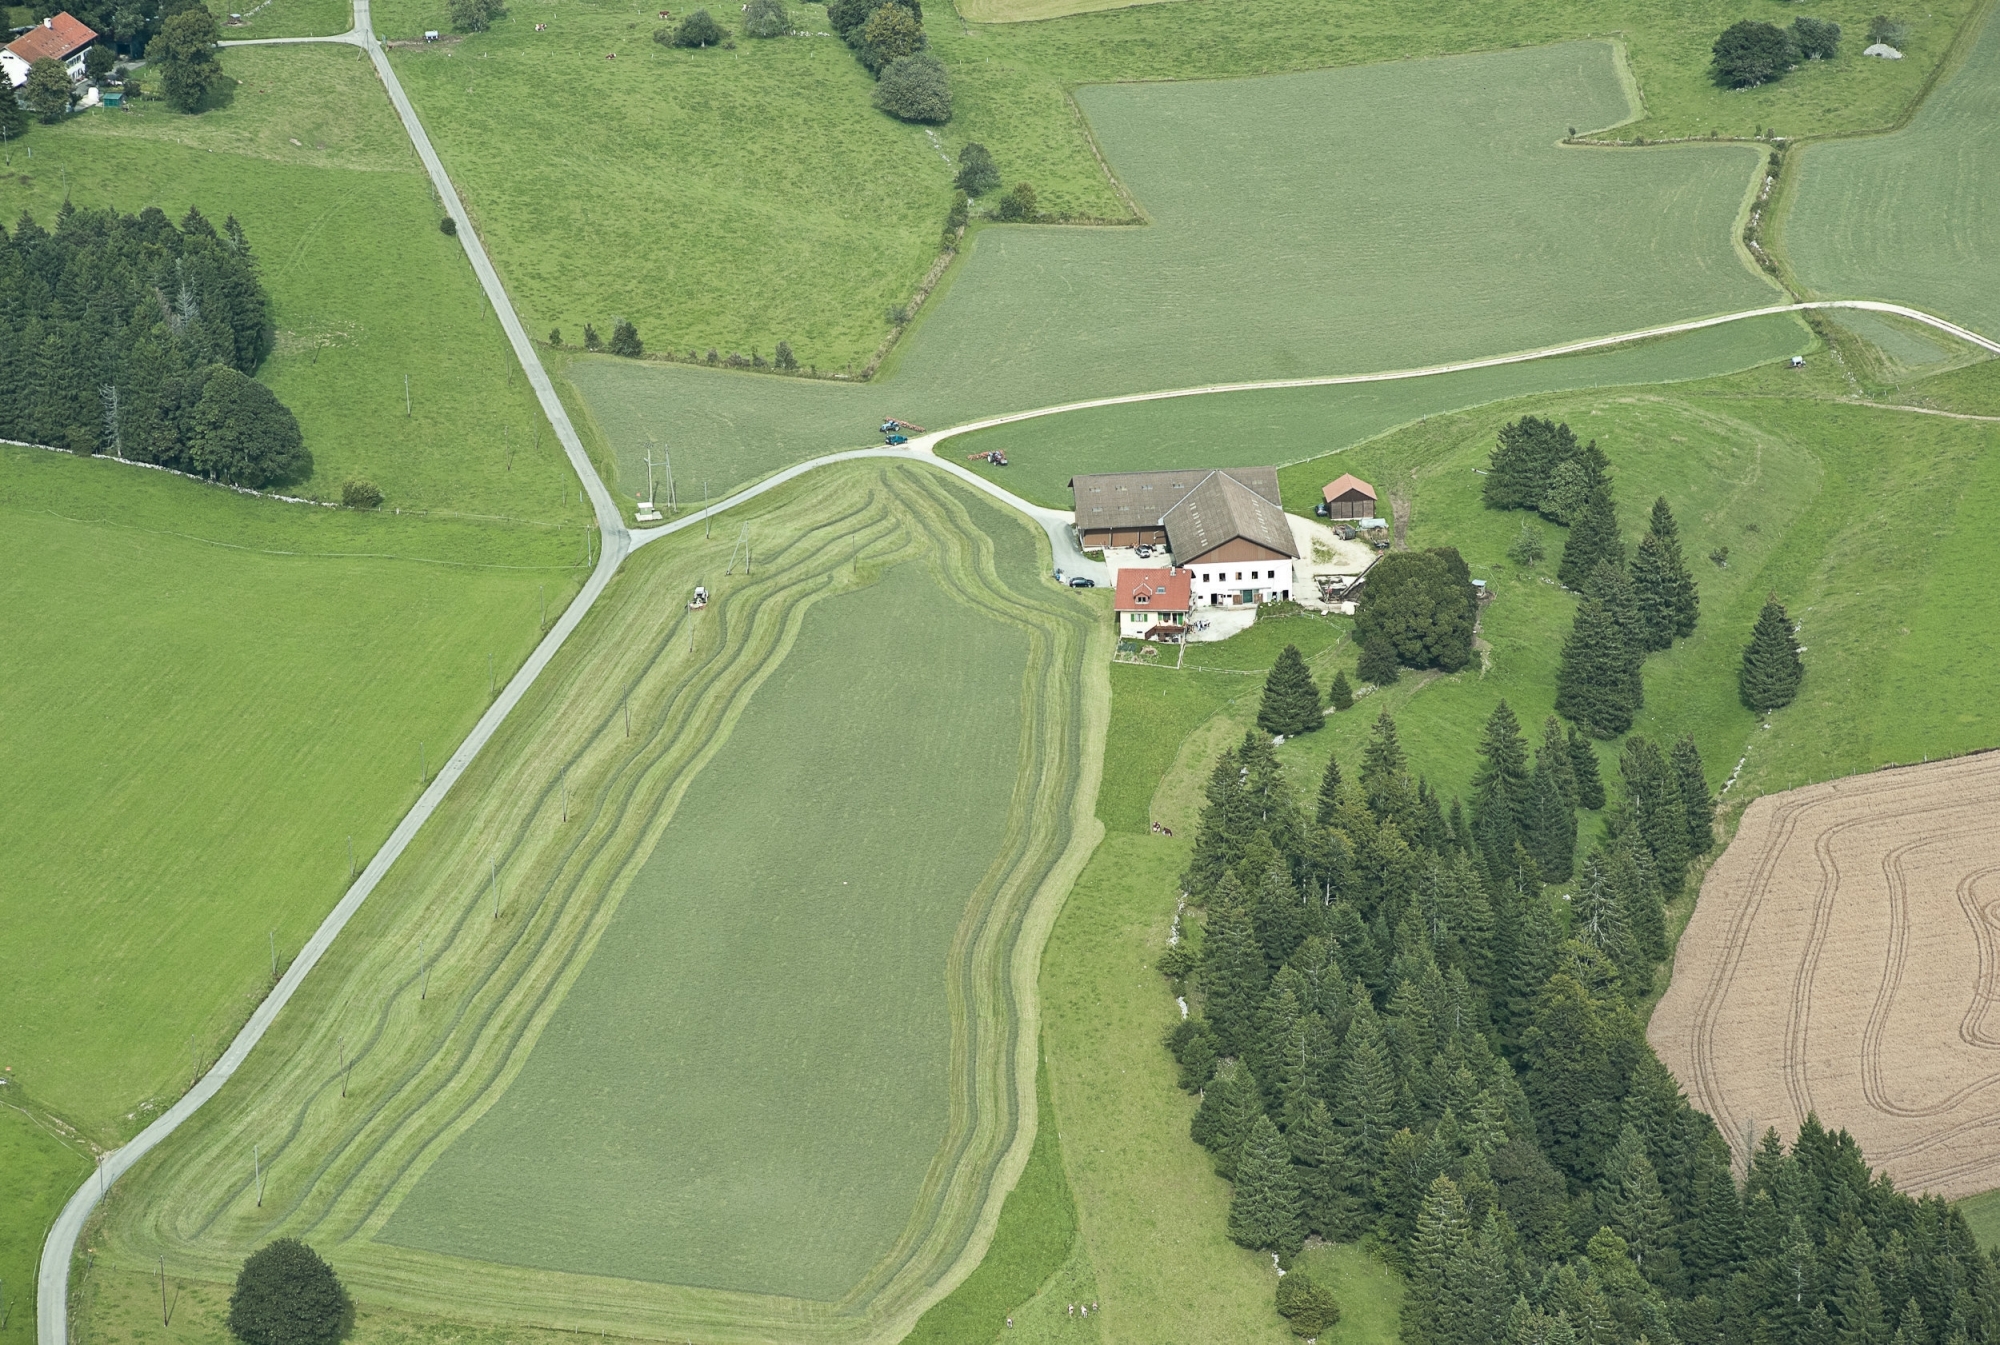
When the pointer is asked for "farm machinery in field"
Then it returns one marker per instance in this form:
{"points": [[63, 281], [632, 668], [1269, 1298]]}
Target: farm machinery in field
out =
{"points": [[896, 432]]}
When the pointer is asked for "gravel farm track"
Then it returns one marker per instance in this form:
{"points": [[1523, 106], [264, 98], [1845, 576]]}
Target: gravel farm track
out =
{"points": [[1936, 1144], [1844, 960]]}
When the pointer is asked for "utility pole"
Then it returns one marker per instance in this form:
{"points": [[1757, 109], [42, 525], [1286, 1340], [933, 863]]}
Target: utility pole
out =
{"points": [[274, 954], [406, 397], [649, 476], [489, 677], [565, 793], [493, 884], [350, 856], [423, 768], [163, 1291], [257, 1171], [424, 969]]}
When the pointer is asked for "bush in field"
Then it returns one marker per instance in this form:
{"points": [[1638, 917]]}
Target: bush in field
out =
{"points": [[766, 18], [1815, 39], [697, 30], [286, 1295], [1341, 694], [1308, 1305], [1750, 53], [1882, 28], [625, 340], [915, 88], [1527, 550], [890, 34], [473, 16], [977, 174], [1017, 205], [360, 494]]}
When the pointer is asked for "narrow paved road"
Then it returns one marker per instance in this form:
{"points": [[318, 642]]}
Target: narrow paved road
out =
{"points": [[59, 1249]]}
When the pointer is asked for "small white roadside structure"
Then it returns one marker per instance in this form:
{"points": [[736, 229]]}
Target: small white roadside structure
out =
{"points": [[1883, 50]]}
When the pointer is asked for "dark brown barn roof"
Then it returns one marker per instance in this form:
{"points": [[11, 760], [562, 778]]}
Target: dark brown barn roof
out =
{"points": [[1142, 499], [1221, 509]]}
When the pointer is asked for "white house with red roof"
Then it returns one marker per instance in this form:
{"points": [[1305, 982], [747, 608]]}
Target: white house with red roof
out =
{"points": [[63, 37], [1153, 602]]}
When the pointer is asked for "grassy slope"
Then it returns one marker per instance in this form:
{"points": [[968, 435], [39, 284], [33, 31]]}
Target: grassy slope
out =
{"points": [[285, 18], [753, 195], [365, 288], [428, 1067], [1256, 428], [38, 1170], [1913, 216]]}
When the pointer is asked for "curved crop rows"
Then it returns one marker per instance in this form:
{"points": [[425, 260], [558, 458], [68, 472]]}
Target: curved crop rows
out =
{"points": [[418, 1020], [1843, 959]]}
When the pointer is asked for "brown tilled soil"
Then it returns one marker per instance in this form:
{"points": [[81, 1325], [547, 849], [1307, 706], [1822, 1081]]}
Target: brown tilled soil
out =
{"points": [[1844, 959]]}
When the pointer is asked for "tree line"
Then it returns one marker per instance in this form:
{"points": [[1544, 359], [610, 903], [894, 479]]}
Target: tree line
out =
{"points": [[1401, 1034], [131, 335]]}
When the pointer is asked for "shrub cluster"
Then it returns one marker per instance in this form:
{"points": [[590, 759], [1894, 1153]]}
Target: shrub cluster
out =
{"points": [[474, 16], [766, 18], [698, 29], [1752, 52], [125, 333], [888, 38]]}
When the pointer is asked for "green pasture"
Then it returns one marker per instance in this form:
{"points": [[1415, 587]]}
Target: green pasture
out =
{"points": [[1912, 217], [248, 20], [39, 1167], [724, 907], [309, 156], [1244, 429], [1982, 1213], [212, 695]]}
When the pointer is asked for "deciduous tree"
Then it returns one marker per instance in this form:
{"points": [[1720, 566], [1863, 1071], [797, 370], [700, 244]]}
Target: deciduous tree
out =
{"points": [[1751, 52], [915, 88], [287, 1295], [47, 92], [977, 173]]}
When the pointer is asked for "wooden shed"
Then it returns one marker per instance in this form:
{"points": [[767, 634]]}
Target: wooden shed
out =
{"points": [[1348, 497]]}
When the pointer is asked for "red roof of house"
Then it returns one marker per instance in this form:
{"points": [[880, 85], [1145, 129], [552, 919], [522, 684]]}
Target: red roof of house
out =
{"points": [[1335, 489], [60, 37], [1164, 590]]}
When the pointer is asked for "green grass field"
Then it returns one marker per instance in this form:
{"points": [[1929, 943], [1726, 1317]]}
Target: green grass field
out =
{"points": [[38, 1169], [1285, 426], [722, 723], [285, 18], [213, 695], [310, 157], [1914, 216]]}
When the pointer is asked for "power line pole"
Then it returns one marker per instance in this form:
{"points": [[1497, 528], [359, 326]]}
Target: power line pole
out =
{"points": [[406, 397]]}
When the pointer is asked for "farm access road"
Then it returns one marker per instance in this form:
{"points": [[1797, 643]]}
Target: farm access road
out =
{"points": [[59, 1248]]}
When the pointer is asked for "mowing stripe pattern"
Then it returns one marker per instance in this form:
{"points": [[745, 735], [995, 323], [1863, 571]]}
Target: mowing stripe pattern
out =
{"points": [[417, 1023]]}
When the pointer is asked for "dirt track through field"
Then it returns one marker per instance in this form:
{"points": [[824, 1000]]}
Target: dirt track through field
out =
{"points": [[1844, 959]]}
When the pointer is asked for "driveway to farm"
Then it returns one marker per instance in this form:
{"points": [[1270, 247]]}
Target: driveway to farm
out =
{"points": [[59, 1249]]}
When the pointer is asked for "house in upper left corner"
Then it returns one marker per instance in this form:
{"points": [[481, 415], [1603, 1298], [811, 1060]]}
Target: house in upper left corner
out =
{"points": [[63, 37]]}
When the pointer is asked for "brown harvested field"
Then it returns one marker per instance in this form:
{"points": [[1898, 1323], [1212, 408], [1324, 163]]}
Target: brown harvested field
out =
{"points": [[1844, 959]]}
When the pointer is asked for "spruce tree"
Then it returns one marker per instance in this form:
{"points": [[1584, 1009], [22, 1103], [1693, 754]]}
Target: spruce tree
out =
{"points": [[1863, 1319], [1528, 453], [1551, 835], [1329, 793], [1592, 538], [1325, 1179], [1437, 1245], [1638, 1208], [1696, 802], [1772, 668], [1501, 802], [1364, 1103], [1680, 585], [1233, 970], [1226, 822], [1291, 697], [1555, 756], [1378, 666], [1385, 778], [1583, 764], [1341, 694], [1264, 1213], [1652, 591], [1231, 1106], [1594, 684], [1654, 794], [1610, 584]]}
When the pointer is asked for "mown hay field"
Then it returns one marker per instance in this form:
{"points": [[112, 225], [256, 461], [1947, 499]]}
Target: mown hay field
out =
{"points": [[766, 963], [1842, 962], [365, 291], [1913, 216]]}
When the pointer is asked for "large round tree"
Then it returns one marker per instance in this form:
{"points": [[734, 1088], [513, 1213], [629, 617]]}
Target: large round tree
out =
{"points": [[286, 1295]]}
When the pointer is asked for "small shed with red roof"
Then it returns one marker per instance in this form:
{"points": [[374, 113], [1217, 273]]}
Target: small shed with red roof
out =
{"points": [[62, 37], [1349, 497], [1153, 602]]}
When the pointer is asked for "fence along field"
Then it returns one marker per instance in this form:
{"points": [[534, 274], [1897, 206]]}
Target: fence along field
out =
{"points": [[1914, 216], [1844, 959], [1277, 248], [434, 1009]]}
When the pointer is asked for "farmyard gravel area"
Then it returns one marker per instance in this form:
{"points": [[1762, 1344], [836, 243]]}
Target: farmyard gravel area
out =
{"points": [[1844, 959]]}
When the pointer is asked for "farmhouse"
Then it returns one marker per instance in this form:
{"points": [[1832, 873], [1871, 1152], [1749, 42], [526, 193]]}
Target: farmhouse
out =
{"points": [[1153, 602], [1233, 540], [1127, 509], [63, 38], [1348, 497]]}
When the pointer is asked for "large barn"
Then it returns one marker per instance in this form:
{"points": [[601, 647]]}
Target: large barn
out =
{"points": [[1129, 508]]}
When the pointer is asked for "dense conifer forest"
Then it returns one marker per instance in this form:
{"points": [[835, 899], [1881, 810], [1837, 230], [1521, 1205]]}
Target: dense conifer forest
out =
{"points": [[133, 336], [1419, 1024]]}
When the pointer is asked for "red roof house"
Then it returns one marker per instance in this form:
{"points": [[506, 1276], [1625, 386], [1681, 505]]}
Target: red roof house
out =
{"points": [[1349, 497], [63, 38], [1148, 599]]}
